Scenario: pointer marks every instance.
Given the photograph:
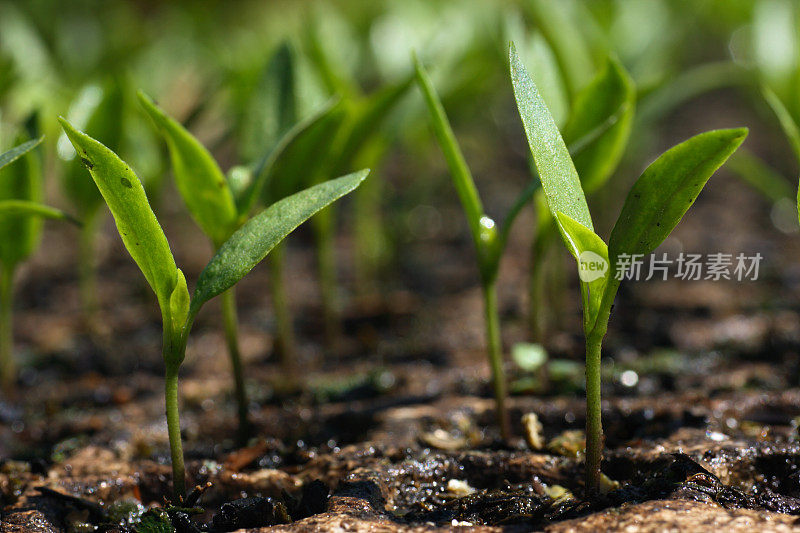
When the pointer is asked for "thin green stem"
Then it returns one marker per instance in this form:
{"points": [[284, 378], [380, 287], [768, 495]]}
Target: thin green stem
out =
{"points": [[283, 314], [495, 349], [594, 424], [8, 369], [595, 333], [174, 431], [231, 322]]}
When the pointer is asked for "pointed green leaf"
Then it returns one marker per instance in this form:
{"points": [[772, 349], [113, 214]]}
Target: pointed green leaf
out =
{"points": [[8, 157], [197, 175], [21, 181], [591, 254], [604, 112], [666, 190], [557, 173], [137, 224], [28, 208], [459, 170], [253, 241]]}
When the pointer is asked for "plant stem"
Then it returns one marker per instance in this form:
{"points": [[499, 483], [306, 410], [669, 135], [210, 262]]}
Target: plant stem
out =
{"points": [[8, 371], [594, 424], [174, 431], [86, 267], [496, 357], [232, 339], [283, 315]]}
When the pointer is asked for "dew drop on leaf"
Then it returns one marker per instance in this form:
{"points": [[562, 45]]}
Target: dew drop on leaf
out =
{"points": [[126, 182]]}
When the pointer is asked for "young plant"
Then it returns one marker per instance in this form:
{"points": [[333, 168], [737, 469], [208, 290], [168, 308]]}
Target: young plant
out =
{"points": [[489, 240], [145, 241], [653, 207], [20, 232], [214, 204], [596, 133]]}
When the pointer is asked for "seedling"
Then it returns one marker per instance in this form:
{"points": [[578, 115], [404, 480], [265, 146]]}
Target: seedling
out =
{"points": [[145, 241], [652, 209], [220, 207], [20, 232], [489, 240], [596, 134]]}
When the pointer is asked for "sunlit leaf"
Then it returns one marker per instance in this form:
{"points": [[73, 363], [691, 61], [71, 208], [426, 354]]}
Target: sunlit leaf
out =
{"points": [[555, 168], [253, 241], [667, 188], [137, 224], [199, 179]]}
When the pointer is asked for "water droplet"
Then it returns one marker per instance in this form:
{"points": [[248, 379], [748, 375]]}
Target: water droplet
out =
{"points": [[126, 182]]}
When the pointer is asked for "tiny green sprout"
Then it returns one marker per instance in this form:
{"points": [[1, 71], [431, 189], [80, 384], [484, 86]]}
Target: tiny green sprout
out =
{"points": [[489, 239], [654, 206], [20, 232], [145, 241]]}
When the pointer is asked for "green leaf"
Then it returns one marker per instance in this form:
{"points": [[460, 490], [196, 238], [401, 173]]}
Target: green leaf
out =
{"points": [[666, 190], [253, 241], [137, 224], [557, 173], [8, 157], [788, 124], [22, 181], [459, 170], [198, 177], [591, 254], [603, 111], [28, 208]]}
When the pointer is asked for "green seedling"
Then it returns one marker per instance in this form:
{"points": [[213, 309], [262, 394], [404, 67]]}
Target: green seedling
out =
{"points": [[145, 241], [220, 206], [654, 206], [489, 239], [20, 233], [596, 133]]}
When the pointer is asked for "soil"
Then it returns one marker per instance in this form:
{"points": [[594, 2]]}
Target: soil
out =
{"points": [[394, 429]]}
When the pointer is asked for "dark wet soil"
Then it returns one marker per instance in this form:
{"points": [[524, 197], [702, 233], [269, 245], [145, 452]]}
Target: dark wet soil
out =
{"points": [[394, 430]]}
